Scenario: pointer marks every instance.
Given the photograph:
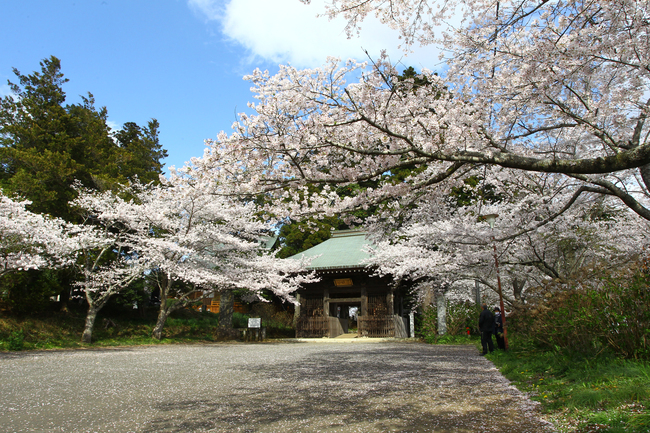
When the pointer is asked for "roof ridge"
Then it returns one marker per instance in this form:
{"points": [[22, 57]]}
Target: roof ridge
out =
{"points": [[348, 232]]}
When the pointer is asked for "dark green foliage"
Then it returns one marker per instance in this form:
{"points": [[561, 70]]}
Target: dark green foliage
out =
{"points": [[239, 320], [411, 74], [277, 320], [140, 151], [135, 294], [29, 292], [46, 145], [298, 236], [16, 340], [411, 81], [610, 315], [473, 191], [460, 317]]}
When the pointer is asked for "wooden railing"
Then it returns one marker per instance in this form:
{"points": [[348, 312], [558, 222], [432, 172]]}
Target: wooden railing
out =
{"points": [[312, 327], [213, 305]]}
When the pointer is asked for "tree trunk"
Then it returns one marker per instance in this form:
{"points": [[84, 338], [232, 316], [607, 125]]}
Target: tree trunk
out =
{"points": [[64, 295], [163, 314], [87, 336], [441, 304], [226, 309], [164, 285], [518, 287]]}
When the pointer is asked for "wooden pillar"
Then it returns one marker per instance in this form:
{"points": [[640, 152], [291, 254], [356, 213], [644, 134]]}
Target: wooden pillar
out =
{"points": [[326, 312], [389, 303], [364, 301], [326, 303], [296, 311], [401, 305]]}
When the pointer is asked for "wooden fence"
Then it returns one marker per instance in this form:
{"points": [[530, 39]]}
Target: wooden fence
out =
{"points": [[312, 327], [376, 326]]}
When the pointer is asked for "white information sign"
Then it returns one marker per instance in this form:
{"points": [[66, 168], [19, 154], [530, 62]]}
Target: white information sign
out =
{"points": [[255, 323]]}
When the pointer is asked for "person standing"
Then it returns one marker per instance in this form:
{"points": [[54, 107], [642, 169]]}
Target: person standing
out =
{"points": [[486, 326], [498, 329]]}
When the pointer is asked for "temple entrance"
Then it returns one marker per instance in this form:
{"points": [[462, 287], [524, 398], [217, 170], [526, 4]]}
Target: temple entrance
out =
{"points": [[374, 315], [331, 317], [346, 286], [346, 313]]}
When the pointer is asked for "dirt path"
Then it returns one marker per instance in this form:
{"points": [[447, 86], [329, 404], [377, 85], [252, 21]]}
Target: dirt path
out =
{"points": [[271, 387]]}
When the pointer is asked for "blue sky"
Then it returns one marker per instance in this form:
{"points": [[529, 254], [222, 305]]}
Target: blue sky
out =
{"points": [[179, 61]]}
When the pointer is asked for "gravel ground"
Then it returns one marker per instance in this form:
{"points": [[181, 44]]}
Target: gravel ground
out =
{"points": [[359, 386]]}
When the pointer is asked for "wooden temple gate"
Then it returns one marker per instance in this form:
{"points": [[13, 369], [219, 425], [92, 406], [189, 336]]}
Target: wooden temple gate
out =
{"points": [[346, 282], [376, 319], [377, 322]]}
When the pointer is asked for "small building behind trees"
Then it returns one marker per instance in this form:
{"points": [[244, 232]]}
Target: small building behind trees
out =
{"points": [[348, 292]]}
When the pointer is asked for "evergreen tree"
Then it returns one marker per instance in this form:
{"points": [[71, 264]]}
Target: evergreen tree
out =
{"points": [[46, 145], [141, 150]]}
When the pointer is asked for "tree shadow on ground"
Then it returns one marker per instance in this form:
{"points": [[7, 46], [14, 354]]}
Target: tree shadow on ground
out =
{"points": [[392, 388]]}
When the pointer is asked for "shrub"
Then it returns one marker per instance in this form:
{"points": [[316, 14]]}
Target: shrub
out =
{"points": [[460, 316], [590, 317], [428, 323], [271, 316], [239, 320], [278, 323], [29, 292], [16, 340]]}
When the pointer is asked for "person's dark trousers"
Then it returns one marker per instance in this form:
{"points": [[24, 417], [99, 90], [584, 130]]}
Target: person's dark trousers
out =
{"points": [[486, 342], [501, 343]]}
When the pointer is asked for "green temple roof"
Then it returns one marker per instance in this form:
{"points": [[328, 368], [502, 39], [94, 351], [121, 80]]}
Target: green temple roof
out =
{"points": [[345, 249]]}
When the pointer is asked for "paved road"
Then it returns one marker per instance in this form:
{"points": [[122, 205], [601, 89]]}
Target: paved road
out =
{"points": [[270, 387]]}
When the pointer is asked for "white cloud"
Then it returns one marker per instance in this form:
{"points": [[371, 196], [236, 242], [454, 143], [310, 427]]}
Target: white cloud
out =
{"points": [[211, 9], [113, 125], [284, 31], [5, 90]]}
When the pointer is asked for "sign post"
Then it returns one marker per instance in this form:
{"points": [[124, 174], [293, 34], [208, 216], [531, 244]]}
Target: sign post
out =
{"points": [[255, 326]]}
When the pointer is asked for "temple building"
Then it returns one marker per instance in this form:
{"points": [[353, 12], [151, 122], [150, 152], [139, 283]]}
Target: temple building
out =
{"points": [[348, 293]]}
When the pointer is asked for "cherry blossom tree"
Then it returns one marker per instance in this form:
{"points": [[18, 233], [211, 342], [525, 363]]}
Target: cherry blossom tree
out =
{"points": [[178, 234], [539, 236], [200, 242], [548, 87], [544, 101], [29, 240], [107, 242]]}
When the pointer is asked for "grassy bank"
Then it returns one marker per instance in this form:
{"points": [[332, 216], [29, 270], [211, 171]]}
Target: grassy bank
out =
{"points": [[582, 394], [60, 331]]}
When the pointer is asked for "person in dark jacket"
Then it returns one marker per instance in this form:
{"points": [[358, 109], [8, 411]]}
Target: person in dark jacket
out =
{"points": [[498, 329], [486, 326]]}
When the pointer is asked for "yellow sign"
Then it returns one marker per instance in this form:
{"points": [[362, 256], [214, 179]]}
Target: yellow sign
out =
{"points": [[343, 282]]}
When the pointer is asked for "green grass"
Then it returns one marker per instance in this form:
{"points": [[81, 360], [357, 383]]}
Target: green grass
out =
{"points": [[452, 339], [582, 394]]}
